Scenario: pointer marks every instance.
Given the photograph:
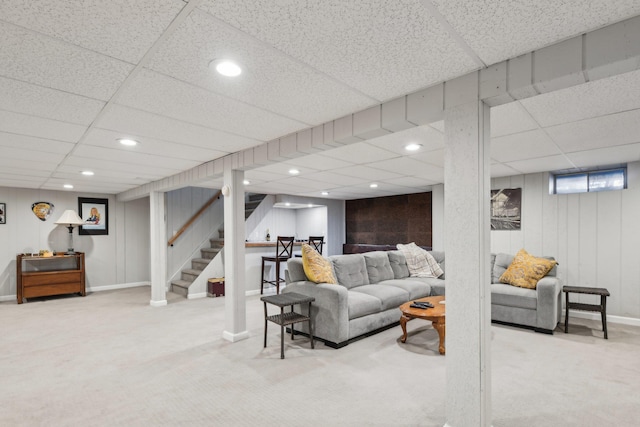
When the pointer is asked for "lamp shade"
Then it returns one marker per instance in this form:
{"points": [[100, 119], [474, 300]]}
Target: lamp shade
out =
{"points": [[70, 217]]}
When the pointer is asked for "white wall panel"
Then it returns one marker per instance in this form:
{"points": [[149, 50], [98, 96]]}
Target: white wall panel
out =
{"points": [[137, 241], [592, 235]]}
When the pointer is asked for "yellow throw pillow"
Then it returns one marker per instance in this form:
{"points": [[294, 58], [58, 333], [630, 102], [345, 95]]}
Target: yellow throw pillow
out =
{"points": [[525, 270], [317, 268]]}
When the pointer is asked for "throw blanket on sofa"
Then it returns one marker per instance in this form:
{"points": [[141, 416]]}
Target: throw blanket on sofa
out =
{"points": [[420, 262]]}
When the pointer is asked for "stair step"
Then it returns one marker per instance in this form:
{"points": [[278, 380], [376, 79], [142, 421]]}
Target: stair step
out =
{"points": [[216, 243], [255, 197], [209, 253], [190, 274], [180, 287], [200, 263]]}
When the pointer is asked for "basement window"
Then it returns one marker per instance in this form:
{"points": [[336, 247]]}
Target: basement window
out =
{"points": [[588, 182]]}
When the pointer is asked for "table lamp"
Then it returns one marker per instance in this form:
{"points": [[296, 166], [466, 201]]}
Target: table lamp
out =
{"points": [[70, 218]]}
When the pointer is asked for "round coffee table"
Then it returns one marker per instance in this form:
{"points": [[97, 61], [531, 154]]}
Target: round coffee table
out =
{"points": [[436, 315]]}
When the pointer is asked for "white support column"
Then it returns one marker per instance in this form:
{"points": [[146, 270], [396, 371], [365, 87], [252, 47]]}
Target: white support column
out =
{"points": [[467, 248], [235, 317], [158, 249]]}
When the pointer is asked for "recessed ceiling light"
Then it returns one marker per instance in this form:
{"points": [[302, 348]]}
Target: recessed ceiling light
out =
{"points": [[374, 185], [69, 186], [294, 171], [412, 147], [246, 182], [325, 193], [88, 173], [226, 67], [287, 204], [128, 142], [310, 205]]}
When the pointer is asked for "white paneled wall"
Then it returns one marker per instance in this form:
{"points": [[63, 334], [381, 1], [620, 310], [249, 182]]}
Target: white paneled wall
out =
{"points": [[594, 236], [23, 232], [181, 205]]}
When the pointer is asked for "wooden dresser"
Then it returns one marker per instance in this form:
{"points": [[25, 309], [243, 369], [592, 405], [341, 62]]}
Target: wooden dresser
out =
{"points": [[43, 276]]}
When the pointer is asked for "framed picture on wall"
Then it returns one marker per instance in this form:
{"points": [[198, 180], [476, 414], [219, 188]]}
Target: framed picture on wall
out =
{"points": [[506, 207], [3, 213], [95, 214]]}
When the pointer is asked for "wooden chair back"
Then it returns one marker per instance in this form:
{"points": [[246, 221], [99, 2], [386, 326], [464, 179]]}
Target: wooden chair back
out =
{"points": [[316, 242], [284, 247]]}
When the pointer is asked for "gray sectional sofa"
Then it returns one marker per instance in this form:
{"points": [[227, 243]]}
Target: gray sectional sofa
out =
{"points": [[371, 286]]}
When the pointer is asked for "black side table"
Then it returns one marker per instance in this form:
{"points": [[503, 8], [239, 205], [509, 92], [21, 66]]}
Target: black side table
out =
{"points": [[288, 318], [600, 308]]}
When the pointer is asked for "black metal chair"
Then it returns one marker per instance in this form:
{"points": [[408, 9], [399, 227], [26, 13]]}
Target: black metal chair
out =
{"points": [[284, 251]]}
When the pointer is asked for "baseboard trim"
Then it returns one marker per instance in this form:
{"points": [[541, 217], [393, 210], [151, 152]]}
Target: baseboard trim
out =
{"points": [[117, 286], [161, 303], [632, 321], [8, 298], [235, 337], [198, 295]]}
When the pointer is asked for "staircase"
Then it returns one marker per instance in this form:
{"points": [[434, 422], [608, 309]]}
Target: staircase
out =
{"points": [[187, 276]]}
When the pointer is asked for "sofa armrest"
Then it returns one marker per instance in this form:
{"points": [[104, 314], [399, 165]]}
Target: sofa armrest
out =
{"points": [[330, 310], [549, 302]]}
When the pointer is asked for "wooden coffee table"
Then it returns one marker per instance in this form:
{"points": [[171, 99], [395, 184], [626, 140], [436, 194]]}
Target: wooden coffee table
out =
{"points": [[435, 315]]}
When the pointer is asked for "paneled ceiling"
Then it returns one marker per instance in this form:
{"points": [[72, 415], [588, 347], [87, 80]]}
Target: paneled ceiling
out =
{"points": [[76, 75]]}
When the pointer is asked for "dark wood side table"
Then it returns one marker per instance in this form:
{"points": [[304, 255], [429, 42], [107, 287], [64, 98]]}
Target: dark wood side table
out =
{"points": [[286, 318], [600, 308]]}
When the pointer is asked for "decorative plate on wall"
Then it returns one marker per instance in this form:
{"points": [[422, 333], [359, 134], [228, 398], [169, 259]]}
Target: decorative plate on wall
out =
{"points": [[42, 210]]}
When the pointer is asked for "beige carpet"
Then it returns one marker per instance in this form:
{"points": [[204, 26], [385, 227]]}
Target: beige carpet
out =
{"points": [[110, 359]]}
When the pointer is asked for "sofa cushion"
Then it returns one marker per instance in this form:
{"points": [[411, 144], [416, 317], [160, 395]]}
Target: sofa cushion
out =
{"points": [[512, 296], [398, 264], [436, 285], [500, 265], [361, 304], [389, 296], [439, 257], [378, 266], [525, 270], [317, 268], [416, 288], [350, 270]]}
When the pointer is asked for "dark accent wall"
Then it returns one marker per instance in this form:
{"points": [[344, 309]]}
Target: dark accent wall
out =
{"points": [[389, 220]]}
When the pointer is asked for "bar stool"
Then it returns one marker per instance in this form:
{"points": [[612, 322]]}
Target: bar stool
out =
{"points": [[284, 251], [316, 242]]}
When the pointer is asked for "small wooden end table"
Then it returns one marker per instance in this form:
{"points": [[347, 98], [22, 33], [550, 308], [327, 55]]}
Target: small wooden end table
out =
{"points": [[436, 315], [288, 318], [600, 308]]}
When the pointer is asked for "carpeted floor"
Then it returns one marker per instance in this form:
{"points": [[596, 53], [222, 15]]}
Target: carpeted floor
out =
{"points": [[110, 359]]}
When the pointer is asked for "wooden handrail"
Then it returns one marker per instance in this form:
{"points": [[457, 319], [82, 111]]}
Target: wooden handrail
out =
{"points": [[193, 218]]}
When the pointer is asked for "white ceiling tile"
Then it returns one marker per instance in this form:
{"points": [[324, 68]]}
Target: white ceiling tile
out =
{"points": [[413, 182], [43, 128], [428, 137], [435, 157], [202, 38], [35, 144], [332, 179], [347, 40], [125, 32], [282, 169], [27, 164], [166, 96], [319, 162], [137, 122], [605, 131], [98, 165], [34, 155], [133, 157], [520, 146], [510, 118], [366, 172], [259, 175], [400, 165], [44, 61], [360, 153], [592, 99], [498, 170], [25, 98], [606, 156], [108, 139], [501, 29], [551, 163], [439, 126], [18, 182]]}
